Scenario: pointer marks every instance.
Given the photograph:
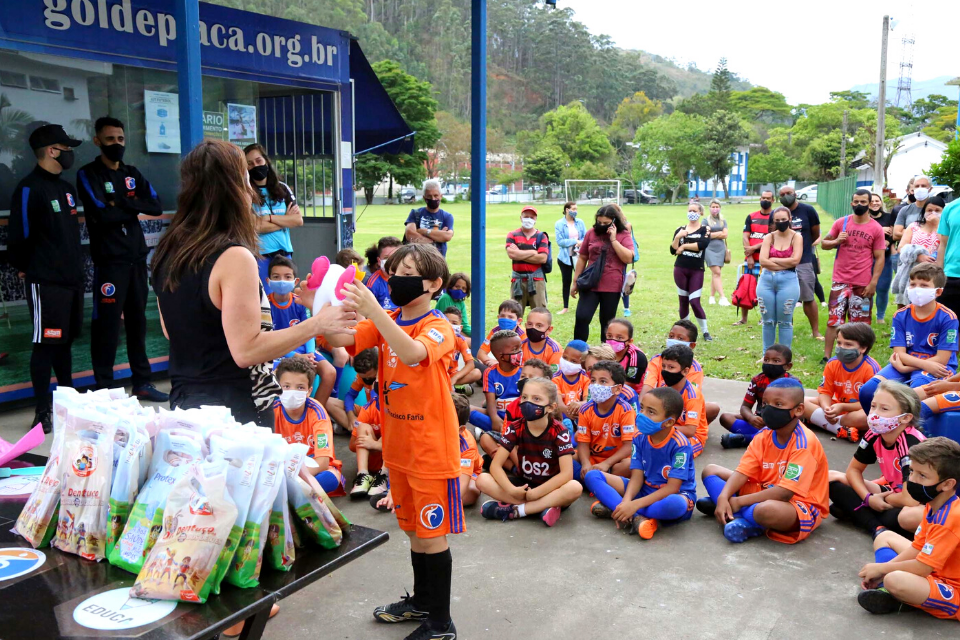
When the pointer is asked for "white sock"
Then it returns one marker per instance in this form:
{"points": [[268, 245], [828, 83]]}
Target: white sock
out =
{"points": [[819, 419], [363, 473], [521, 511], [703, 324]]}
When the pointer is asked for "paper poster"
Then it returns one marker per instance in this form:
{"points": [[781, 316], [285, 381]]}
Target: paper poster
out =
{"points": [[242, 123], [214, 125], [162, 113]]}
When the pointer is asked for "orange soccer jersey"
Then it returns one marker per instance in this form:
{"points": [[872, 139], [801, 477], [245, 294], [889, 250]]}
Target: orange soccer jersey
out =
{"points": [[695, 415], [654, 379], [938, 542], [313, 429], [470, 462], [461, 354], [575, 391], [420, 428], [605, 433], [485, 347], [370, 414], [550, 352], [800, 466], [843, 384]]}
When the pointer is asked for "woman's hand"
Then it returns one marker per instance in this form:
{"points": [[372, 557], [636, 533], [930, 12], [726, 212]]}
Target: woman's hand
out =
{"points": [[682, 233], [612, 232], [358, 298], [574, 290], [331, 320], [924, 258]]}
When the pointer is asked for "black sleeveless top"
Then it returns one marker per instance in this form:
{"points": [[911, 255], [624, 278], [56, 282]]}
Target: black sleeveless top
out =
{"points": [[198, 347]]}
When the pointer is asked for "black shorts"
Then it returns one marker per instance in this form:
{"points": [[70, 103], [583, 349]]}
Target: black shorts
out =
{"points": [[57, 312]]}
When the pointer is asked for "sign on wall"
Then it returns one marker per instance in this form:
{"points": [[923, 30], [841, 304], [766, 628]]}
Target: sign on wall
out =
{"points": [[214, 125], [162, 114], [242, 123]]}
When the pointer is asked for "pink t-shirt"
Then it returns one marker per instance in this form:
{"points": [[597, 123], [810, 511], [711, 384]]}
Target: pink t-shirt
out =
{"points": [[929, 241], [854, 263], [611, 279]]}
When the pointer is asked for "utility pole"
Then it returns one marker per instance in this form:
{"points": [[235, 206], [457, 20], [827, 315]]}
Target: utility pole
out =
{"points": [[843, 147], [881, 110]]}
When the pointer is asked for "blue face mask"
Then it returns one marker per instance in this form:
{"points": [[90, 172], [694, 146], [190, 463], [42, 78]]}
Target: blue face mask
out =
{"points": [[672, 343], [647, 426], [457, 294], [282, 287], [506, 324]]}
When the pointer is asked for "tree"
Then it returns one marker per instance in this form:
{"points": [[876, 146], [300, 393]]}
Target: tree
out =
{"points": [[775, 167], [668, 149], [576, 134], [947, 171], [722, 134], [720, 86], [633, 112], [943, 123], [543, 167], [12, 122], [760, 103], [452, 153], [370, 171], [696, 105], [853, 99]]}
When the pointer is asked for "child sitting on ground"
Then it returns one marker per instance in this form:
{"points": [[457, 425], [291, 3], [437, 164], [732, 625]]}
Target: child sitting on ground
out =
{"points": [[663, 482], [837, 407], [780, 486], [634, 361], [286, 311], [545, 481], [463, 370], [470, 463], [883, 504], [366, 440], [572, 381], [686, 333], [925, 573], [455, 295], [344, 411], [538, 343], [489, 440], [675, 364], [596, 354], [508, 319], [300, 419], [500, 381], [777, 362], [923, 336], [347, 257], [606, 424]]}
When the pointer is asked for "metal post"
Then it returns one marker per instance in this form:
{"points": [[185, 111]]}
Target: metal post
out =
{"points": [[843, 147], [881, 110], [955, 83], [478, 168], [187, 15]]}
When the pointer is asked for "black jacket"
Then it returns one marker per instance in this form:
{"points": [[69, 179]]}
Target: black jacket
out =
{"points": [[43, 237], [112, 200]]}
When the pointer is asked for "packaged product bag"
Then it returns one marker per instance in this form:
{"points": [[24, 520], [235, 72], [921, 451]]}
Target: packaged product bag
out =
{"points": [[281, 542], [126, 476], [38, 520], [86, 476], [198, 517], [172, 457], [322, 521]]}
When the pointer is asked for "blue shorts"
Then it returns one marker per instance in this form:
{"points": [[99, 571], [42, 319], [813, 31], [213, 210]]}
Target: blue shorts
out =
{"points": [[914, 379]]}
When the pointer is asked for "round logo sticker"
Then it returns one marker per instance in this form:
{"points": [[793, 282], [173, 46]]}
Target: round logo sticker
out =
{"points": [[16, 561], [108, 289], [117, 609], [86, 461]]}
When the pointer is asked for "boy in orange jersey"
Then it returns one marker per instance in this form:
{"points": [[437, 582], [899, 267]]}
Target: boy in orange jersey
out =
{"points": [[572, 382], [676, 363], [781, 485], [686, 333], [606, 424], [366, 440], [421, 443], [470, 464], [508, 319], [601, 352], [538, 343], [925, 573], [837, 408], [461, 377]]}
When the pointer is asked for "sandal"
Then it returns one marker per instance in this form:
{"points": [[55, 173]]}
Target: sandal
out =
{"points": [[738, 323]]}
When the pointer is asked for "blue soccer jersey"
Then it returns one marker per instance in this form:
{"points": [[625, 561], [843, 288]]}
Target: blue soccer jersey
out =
{"points": [[288, 314], [377, 283], [672, 458], [503, 386], [923, 338]]}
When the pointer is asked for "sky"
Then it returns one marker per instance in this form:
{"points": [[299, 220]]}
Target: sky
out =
{"points": [[803, 50]]}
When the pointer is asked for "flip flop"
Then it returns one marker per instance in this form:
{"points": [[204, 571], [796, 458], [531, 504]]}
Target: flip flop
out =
{"points": [[738, 323]]}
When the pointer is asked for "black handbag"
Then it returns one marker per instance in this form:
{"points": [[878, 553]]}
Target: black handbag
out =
{"points": [[590, 277]]}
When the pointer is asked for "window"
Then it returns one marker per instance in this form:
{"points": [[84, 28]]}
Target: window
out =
{"points": [[69, 94], [39, 83], [11, 79]]}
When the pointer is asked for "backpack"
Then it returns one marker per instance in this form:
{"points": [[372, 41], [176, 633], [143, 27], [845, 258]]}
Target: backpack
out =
{"points": [[547, 266], [745, 294]]}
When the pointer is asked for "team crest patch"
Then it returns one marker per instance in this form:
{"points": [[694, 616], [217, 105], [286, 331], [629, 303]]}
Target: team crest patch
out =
{"points": [[322, 441], [932, 339], [431, 516], [864, 444], [436, 336], [130, 183], [952, 335], [679, 460], [70, 200], [927, 549], [631, 372], [108, 289], [294, 322], [945, 590], [56, 205], [793, 471], [108, 187]]}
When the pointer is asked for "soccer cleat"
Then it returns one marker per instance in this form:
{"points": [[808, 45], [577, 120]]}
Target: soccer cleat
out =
{"points": [[733, 441], [465, 389], [738, 530], [706, 506], [878, 601], [150, 393], [644, 527], [851, 434], [707, 337], [599, 510], [361, 486], [379, 485], [44, 419], [427, 631], [402, 611], [493, 510], [626, 313], [550, 516]]}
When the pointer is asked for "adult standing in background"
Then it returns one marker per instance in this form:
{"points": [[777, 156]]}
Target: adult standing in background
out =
{"points": [[43, 244], [528, 249], [716, 251], [608, 239], [778, 287], [885, 220], [568, 233], [430, 224], [114, 194], [755, 228], [689, 244], [948, 256], [805, 221], [276, 209], [912, 211]]}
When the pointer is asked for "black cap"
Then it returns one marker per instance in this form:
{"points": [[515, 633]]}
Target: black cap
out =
{"points": [[49, 134]]}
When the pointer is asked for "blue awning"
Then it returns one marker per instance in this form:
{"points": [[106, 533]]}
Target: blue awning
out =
{"points": [[378, 125]]}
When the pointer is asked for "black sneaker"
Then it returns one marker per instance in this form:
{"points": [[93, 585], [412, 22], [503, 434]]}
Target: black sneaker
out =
{"points": [[733, 441], [402, 611], [44, 419], [706, 506], [375, 503], [427, 631], [707, 337], [150, 393], [878, 601]]}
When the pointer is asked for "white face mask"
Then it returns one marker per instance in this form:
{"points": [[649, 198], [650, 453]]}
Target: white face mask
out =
{"points": [[528, 223], [383, 265], [921, 193], [293, 399], [457, 329], [920, 296], [568, 368]]}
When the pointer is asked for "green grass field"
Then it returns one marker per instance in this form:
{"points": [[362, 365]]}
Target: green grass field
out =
{"points": [[734, 352]]}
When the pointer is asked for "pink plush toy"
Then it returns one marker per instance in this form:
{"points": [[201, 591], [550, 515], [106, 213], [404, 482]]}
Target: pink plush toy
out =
{"points": [[328, 280]]}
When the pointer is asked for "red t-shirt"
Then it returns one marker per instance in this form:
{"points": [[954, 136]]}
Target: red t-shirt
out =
{"points": [[854, 262], [537, 241], [539, 457], [611, 280]]}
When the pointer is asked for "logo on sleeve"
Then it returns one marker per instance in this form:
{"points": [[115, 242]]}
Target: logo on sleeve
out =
{"points": [[952, 335], [70, 200], [793, 471], [864, 444], [322, 441], [431, 516], [436, 336], [631, 372], [130, 183], [927, 549], [679, 460], [56, 205], [919, 529], [108, 187]]}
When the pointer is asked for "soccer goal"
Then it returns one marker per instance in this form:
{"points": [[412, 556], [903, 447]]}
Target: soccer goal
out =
{"points": [[593, 192]]}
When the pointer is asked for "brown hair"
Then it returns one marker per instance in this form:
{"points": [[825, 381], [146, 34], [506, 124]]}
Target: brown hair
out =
{"points": [[459, 275], [540, 365], [462, 405], [426, 258], [213, 211], [453, 311], [615, 213], [943, 454], [275, 190], [296, 365], [568, 205], [553, 396], [930, 272], [347, 257], [859, 332], [373, 251]]}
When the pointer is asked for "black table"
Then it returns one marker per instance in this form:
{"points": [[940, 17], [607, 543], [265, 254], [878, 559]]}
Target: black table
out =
{"points": [[41, 604]]}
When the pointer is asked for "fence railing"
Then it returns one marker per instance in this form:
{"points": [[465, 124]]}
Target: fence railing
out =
{"points": [[834, 197]]}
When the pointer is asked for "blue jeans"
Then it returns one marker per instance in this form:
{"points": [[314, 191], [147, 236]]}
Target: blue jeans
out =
{"points": [[777, 295], [883, 287]]}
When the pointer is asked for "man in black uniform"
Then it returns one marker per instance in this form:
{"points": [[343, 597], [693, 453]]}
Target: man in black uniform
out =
{"points": [[113, 195], [44, 245]]}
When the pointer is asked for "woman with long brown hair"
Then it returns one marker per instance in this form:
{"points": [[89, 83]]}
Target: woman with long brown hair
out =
{"points": [[205, 278]]}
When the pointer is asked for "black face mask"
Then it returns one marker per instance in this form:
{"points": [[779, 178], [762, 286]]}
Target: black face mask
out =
{"points": [[405, 289], [788, 200], [921, 493], [782, 225], [859, 209], [777, 418], [259, 173], [65, 159], [113, 152], [600, 229], [531, 411], [432, 204], [369, 381], [765, 204], [773, 371], [671, 377], [911, 197], [536, 335]]}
